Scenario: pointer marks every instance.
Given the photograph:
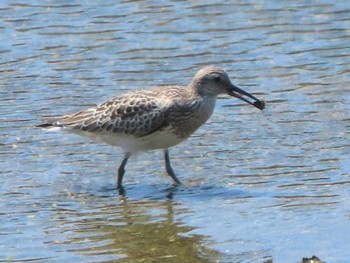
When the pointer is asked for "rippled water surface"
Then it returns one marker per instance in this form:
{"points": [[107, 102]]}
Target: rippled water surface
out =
{"points": [[257, 185]]}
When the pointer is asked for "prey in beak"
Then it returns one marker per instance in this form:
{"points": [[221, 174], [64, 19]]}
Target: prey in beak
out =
{"points": [[239, 93]]}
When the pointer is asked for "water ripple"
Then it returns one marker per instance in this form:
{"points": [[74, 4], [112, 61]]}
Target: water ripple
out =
{"points": [[256, 185]]}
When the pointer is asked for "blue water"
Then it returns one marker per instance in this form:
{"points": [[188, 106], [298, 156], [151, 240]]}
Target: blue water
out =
{"points": [[257, 185]]}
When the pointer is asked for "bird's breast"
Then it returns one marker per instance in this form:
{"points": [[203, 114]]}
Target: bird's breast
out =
{"points": [[187, 120]]}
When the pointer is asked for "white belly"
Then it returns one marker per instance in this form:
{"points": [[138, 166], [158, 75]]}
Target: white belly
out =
{"points": [[158, 140]]}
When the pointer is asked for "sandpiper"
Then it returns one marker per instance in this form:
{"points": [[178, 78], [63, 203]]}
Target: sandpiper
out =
{"points": [[155, 118]]}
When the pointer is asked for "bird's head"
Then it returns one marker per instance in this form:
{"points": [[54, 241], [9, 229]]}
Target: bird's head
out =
{"points": [[212, 81]]}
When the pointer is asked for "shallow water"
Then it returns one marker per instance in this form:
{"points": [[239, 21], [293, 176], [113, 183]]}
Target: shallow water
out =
{"points": [[257, 186]]}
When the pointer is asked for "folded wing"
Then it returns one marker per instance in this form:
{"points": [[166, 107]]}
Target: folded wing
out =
{"points": [[134, 114]]}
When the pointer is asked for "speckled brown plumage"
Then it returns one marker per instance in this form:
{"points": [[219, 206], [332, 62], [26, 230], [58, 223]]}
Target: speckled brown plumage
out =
{"points": [[155, 118]]}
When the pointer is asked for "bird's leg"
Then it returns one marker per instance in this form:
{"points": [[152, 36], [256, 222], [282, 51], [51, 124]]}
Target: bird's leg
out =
{"points": [[168, 167], [121, 170]]}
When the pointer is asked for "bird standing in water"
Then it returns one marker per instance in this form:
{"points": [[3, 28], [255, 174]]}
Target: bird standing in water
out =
{"points": [[155, 118]]}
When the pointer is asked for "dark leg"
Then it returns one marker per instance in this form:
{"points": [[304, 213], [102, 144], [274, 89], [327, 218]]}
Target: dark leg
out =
{"points": [[168, 167], [121, 170]]}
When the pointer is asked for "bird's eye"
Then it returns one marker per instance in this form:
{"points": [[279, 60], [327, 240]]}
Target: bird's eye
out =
{"points": [[217, 79]]}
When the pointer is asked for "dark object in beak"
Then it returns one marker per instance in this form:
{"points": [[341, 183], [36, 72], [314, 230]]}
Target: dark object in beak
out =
{"points": [[237, 92]]}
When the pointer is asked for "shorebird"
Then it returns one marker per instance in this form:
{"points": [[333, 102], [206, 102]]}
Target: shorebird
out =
{"points": [[155, 118]]}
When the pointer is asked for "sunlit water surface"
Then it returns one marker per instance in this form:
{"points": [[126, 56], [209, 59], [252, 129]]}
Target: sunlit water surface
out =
{"points": [[257, 185]]}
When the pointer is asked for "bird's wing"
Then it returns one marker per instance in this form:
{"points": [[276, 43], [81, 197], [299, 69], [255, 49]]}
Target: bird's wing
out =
{"points": [[137, 114]]}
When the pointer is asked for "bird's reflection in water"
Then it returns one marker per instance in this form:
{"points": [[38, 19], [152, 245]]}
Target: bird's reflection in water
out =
{"points": [[133, 231]]}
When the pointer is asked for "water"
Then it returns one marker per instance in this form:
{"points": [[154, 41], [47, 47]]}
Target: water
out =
{"points": [[257, 186]]}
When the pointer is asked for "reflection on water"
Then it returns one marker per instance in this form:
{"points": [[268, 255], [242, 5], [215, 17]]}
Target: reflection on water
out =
{"points": [[129, 231], [256, 185]]}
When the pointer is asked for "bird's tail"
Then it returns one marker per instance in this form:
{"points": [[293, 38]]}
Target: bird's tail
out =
{"points": [[49, 122], [44, 125]]}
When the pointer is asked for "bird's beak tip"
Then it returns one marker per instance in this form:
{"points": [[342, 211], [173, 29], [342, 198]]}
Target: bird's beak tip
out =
{"points": [[239, 93], [260, 104]]}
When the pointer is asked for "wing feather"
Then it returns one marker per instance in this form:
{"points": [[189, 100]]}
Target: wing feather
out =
{"points": [[137, 114]]}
